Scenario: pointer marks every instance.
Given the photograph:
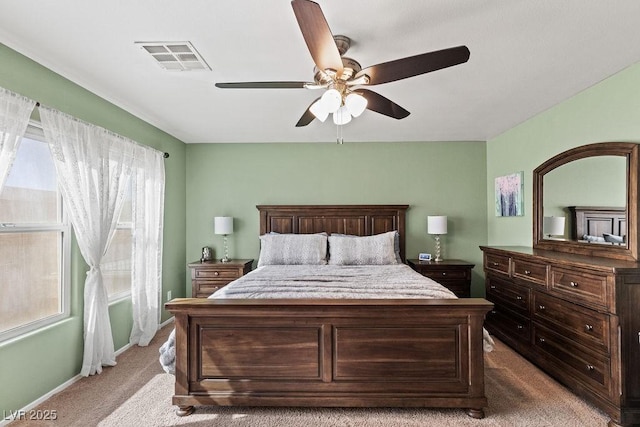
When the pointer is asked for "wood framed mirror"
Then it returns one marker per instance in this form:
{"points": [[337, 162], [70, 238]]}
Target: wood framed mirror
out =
{"points": [[594, 188]]}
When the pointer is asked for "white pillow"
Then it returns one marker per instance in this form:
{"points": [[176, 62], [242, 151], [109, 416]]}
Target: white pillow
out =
{"points": [[364, 250], [293, 249]]}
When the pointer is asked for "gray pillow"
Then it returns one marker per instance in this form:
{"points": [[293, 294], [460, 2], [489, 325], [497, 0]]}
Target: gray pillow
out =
{"points": [[396, 243], [612, 238], [293, 249], [362, 250]]}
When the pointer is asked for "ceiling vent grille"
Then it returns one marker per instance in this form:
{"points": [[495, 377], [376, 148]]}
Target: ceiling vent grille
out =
{"points": [[175, 56]]}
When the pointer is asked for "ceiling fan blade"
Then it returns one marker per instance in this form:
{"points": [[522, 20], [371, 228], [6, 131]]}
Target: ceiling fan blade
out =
{"points": [[382, 105], [307, 117], [264, 85], [317, 35], [415, 65]]}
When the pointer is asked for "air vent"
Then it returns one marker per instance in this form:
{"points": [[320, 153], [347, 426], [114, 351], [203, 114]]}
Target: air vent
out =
{"points": [[175, 56]]}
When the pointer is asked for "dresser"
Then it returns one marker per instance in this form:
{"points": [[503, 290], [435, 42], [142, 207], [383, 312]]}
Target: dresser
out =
{"points": [[209, 276], [452, 273], [576, 317]]}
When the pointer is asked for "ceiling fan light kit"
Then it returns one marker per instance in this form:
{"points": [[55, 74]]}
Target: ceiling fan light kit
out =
{"points": [[344, 77]]}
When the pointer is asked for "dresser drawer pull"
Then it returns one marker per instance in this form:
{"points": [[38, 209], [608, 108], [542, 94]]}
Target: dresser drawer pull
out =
{"points": [[494, 312], [588, 328], [444, 274], [518, 297], [542, 307], [495, 264], [527, 272], [492, 286], [590, 368], [215, 273], [541, 340], [574, 284], [520, 327]]}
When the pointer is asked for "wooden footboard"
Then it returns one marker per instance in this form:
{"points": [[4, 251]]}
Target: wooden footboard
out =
{"points": [[332, 353]]}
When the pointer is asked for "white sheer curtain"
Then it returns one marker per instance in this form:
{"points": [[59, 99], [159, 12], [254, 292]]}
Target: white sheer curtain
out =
{"points": [[15, 111], [148, 217], [93, 167]]}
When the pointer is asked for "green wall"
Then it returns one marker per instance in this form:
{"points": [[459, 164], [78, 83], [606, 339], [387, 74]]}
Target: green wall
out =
{"points": [[608, 111], [33, 365], [434, 178]]}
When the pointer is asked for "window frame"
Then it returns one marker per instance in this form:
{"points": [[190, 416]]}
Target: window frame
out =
{"points": [[34, 132]]}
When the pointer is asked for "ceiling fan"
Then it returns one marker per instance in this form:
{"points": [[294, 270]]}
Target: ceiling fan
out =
{"points": [[344, 78]]}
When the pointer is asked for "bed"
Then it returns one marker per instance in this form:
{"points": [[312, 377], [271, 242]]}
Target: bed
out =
{"points": [[330, 352]]}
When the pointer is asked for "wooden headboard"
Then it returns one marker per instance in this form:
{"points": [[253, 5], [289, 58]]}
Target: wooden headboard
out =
{"points": [[358, 220], [596, 220]]}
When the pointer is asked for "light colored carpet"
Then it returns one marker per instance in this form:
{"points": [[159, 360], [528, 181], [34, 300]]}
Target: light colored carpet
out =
{"points": [[137, 393]]}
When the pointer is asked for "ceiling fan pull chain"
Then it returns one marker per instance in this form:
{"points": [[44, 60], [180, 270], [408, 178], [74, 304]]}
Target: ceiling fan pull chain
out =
{"points": [[339, 138]]}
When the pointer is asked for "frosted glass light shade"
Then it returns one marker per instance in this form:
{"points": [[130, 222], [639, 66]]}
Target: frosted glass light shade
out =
{"points": [[356, 104], [223, 225], [331, 100], [342, 116], [553, 225], [319, 110], [437, 225]]}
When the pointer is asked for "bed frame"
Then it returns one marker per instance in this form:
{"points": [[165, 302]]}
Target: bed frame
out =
{"points": [[330, 352]]}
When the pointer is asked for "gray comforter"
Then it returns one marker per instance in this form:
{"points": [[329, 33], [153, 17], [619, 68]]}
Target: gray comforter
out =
{"points": [[327, 281]]}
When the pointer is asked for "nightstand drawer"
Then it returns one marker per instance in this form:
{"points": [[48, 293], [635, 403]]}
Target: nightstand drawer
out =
{"points": [[206, 288], [452, 274], [226, 273]]}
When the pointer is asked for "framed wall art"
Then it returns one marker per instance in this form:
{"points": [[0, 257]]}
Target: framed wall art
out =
{"points": [[509, 195]]}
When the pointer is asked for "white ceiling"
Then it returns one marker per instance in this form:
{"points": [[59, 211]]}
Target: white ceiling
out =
{"points": [[526, 56]]}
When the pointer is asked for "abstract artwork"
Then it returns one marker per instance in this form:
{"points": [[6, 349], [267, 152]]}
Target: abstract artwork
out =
{"points": [[509, 200]]}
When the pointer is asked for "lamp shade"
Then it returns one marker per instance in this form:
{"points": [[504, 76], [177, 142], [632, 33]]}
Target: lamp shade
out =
{"points": [[223, 225], [437, 224], [553, 225], [319, 110], [356, 104]]}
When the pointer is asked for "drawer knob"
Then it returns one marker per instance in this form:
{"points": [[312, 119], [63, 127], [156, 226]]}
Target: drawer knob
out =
{"points": [[494, 312], [492, 286], [520, 327], [588, 328], [541, 340], [527, 272], [444, 274], [518, 297], [542, 307], [215, 273], [590, 368], [495, 264], [574, 284]]}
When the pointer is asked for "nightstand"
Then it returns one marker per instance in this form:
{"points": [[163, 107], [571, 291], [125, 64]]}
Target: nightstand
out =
{"points": [[209, 276], [452, 273]]}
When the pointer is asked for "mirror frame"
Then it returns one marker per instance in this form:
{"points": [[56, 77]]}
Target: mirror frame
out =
{"points": [[627, 149]]}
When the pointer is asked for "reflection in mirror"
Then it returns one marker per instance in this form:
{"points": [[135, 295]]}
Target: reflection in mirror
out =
{"points": [[599, 181]]}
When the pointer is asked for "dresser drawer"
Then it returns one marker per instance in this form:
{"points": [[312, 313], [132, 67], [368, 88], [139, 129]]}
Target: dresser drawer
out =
{"points": [[588, 327], [514, 296], [580, 286], [507, 324], [530, 271], [497, 263], [575, 362]]}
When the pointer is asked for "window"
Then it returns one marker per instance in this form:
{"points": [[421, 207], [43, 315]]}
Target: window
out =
{"points": [[116, 263], [34, 242]]}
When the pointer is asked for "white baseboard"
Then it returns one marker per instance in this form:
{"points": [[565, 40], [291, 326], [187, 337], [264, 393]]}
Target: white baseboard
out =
{"points": [[17, 414]]}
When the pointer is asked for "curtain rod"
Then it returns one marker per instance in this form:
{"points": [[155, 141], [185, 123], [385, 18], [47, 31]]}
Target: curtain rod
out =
{"points": [[165, 154]]}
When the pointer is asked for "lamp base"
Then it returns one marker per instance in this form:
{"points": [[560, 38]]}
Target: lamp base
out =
{"points": [[225, 259], [438, 258]]}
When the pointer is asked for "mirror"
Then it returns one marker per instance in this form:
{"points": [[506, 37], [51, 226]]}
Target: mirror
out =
{"points": [[585, 201]]}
